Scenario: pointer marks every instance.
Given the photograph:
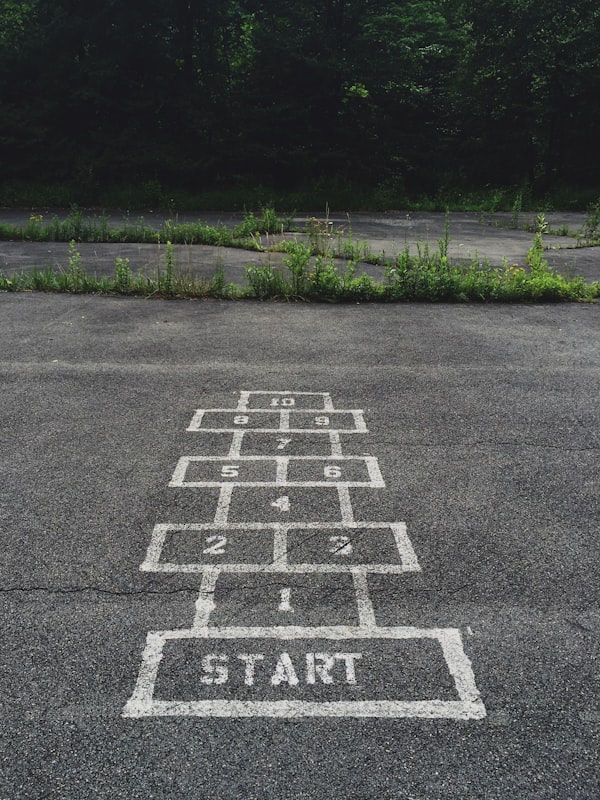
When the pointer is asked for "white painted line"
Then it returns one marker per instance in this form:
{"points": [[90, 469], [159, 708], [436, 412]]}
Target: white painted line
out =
{"points": [[405, 548], [359, 420], [277, 430], [280, 546], [345, 504], [357, 413], [140, 704], [271, 484], [196, 423], [243, 401], [284, 420], [295, 709], [279, 393], [285, 601], [468, 706], [327, 402], [257, 526], [282, 470], [205, 602], [279, 566], [153, 554], [222, 512], [366, 614], [459, 665], [179, 472], [369, 461], [333, 632], [236, 444], [336, 445], [374, 472]]}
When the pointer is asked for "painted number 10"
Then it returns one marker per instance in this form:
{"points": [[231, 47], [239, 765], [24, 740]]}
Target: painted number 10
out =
{"points": [[287, 402]]}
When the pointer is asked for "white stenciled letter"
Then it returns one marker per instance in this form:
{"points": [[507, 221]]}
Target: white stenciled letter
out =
{"points": [[320, 665], [284, 671], [315, 670], [348, 659], [250, 660], [216, 673]]}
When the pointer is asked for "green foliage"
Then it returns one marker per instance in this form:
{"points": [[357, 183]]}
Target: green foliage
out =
{"points": [[589, 233], [123, 275], [392, 99]]}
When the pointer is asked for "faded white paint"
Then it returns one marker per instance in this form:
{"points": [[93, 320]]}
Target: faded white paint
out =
{"points": [[281, 465], [279, 533], [467, 706], [329, 662]]}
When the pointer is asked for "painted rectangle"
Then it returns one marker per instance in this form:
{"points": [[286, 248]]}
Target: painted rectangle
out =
{"points": [[306, 672], [196, 472], [277, 420], [288, 400], [381, 548]]}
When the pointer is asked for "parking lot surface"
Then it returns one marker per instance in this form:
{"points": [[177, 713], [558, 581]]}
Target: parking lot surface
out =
{"points": [[296, 551]]}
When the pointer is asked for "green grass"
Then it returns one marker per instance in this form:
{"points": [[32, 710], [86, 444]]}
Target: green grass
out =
{"points": [[430, 276], [82, 228]]}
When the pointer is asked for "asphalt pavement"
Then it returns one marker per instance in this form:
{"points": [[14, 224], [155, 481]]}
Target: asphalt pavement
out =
{"points": [[260, 550]]}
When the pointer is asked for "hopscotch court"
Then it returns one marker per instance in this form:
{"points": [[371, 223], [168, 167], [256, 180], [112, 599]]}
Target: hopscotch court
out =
{"points": [[284, 624]]}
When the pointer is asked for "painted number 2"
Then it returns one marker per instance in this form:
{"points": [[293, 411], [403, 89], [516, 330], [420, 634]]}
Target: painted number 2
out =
{"points": [[340, 546], [215, 545]]}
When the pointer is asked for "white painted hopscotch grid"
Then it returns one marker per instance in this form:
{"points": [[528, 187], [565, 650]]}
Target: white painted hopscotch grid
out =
{"points": [[242, 671], [213, 545]]}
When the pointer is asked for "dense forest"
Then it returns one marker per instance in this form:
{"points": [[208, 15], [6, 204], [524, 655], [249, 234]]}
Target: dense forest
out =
{"points": [[401, 97]]}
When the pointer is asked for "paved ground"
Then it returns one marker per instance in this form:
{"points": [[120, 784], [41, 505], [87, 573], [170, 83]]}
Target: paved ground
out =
{"points": [[471, 237], [476, 676]]}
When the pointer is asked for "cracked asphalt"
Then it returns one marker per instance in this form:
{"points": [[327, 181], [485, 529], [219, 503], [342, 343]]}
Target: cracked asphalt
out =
{"points": [[485, 424], [472, 236]]}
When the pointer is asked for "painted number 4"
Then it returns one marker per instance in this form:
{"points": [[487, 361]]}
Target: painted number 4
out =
{"points": [[282, 503]]}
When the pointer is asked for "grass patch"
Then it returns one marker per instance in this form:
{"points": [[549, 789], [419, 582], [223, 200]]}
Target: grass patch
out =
{"points": [[429, 276], [82, 228]]}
